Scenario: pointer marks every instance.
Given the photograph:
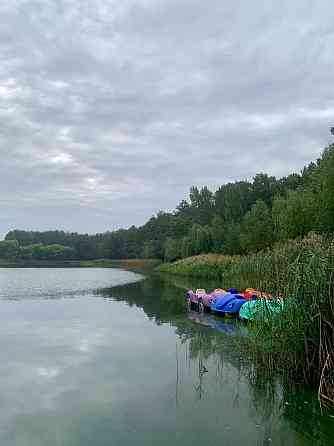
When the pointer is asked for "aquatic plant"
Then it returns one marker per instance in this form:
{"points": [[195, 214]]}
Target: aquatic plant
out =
{"points": [[299, 341]]}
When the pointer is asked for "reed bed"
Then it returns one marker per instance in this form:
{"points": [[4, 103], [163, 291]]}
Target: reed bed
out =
{"points": [[299, 342]]}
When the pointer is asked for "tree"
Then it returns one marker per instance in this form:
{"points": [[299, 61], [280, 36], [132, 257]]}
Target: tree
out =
{"points": [[148, 249], [185, 247], [202, 205], [232, 238], [257, 228], [233, 200], [325, 177], [296, 215], [200, 237], [265, 188], [172, 249], [9, 249], [217, 234]]}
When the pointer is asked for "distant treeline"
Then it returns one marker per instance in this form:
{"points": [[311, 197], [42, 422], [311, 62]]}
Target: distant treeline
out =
{"points": [[240, 217], [11, 250]]}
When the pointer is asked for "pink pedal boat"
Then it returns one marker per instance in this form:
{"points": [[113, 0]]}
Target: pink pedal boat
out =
{"points": [[200, 300]]}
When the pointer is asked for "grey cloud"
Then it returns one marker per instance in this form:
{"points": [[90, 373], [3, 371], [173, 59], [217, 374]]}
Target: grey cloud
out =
{"points": [[110, 111]]}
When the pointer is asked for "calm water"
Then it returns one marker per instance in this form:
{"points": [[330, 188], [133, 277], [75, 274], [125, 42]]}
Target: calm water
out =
{"points": [[101, 357]]}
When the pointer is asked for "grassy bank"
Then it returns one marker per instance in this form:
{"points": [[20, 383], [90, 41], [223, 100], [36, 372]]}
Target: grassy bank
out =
{"points": [[5, 263], [300, 342], [138, 265], [131, 264]]}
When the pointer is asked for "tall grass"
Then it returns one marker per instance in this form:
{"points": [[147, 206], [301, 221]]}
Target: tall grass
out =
{"points": [[300, 341]]}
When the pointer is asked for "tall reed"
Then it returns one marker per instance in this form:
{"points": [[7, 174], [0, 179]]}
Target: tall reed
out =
{"points": [[299, 341]]}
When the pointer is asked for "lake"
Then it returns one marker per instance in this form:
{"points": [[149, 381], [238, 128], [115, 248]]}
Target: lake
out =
{"points": [[107, 357]]}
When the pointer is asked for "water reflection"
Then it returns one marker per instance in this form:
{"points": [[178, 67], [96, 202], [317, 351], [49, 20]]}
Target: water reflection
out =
{"points": [[210, 347], [129, 365], [223, 325], [161, 300]]}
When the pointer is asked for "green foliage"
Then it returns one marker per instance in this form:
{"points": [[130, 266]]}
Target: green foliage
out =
{"points": [[149, 249], [203, 266], [265, 187], [295, 215], [200, 237], [202, 205], [86, 247], [11, 250], [232, 238], [233, 200], [172, 249], [256, 228], [185, 247], [217, 234], [325, 177]]}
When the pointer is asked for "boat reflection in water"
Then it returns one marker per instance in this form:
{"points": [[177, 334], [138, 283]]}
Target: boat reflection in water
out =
{"points": [[227, 326]]}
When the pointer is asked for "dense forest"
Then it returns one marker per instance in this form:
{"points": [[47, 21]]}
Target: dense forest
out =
{"points": [[11, 250], [239, 217]]}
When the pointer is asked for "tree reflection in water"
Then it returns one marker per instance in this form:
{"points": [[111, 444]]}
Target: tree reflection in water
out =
{"points": [[210, 351]]}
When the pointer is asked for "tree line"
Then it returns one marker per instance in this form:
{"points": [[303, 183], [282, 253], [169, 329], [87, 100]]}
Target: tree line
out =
{"points": [[238, 218], [11, 250]]}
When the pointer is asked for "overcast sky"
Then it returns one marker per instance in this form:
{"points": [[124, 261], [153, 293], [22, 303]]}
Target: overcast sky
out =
{"points": [[111, 109]]}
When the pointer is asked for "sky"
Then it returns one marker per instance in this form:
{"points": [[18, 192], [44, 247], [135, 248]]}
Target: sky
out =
{"points": [[110, 110]]}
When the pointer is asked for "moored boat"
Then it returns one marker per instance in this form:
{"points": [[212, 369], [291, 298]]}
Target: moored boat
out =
{"points": [[260, 309], [248, 305], [199, 300], [228, 304]]}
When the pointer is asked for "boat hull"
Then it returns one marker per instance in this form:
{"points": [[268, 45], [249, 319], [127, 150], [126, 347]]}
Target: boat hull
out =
{"points": [[261, 309], [228, 305]]}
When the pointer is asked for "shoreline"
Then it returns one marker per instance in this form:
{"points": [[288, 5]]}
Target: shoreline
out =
{"points": [[129, 264]]}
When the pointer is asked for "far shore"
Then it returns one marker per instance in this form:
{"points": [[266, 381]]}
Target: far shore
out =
{"points": [[131, 264]]}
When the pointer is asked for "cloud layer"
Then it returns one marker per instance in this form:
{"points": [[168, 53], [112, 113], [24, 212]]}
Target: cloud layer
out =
{"points": [[110, 111]]}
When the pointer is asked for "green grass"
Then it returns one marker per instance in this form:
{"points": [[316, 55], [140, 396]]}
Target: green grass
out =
{"points": [[140, 265]]}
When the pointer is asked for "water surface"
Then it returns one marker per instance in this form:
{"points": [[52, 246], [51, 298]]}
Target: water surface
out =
{"points": [[101, 357]]}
